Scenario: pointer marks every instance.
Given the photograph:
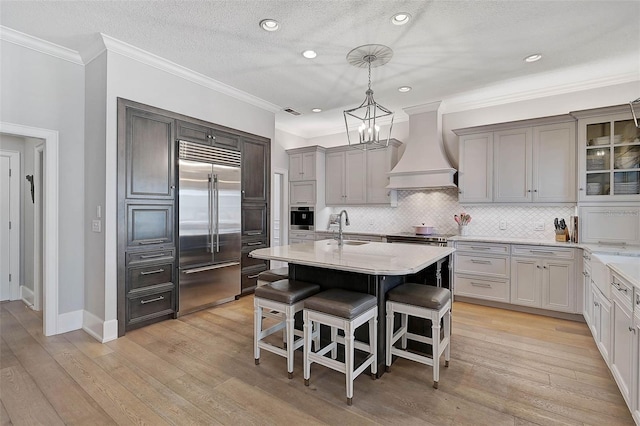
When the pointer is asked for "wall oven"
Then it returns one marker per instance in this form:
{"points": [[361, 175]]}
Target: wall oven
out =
{"points": [[302, 218]]}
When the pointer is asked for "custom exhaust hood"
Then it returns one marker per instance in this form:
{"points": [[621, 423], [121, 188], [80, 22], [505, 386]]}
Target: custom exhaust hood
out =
{"points": [[424, 164]]}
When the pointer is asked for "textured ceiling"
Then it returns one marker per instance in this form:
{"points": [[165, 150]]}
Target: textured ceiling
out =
{"points": [[449, 47]]}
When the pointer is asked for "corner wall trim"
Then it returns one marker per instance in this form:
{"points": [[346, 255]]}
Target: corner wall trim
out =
{"points": [[102, 331], [69, 321], [26, 294]]}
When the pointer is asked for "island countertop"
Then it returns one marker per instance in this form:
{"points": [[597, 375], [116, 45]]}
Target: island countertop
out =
{"points": [[370, 258]]}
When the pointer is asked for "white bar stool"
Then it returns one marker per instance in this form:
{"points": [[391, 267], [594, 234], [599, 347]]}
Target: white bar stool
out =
{"points": [[345, 310], [424, 301], [272, 275], [280, 300]]}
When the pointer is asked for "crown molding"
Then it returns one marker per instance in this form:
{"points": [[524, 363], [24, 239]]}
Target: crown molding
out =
{"points": [[137, 54], [93, 51], [487, 96], [39, 45], [419, 109]]}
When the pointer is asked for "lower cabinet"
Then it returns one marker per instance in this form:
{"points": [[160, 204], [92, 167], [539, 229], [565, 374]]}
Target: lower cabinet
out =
{"points": [[546, 284], [299, 237], [481, 271], [601, 328], [636, 365], [249, 277], [150, 304]]}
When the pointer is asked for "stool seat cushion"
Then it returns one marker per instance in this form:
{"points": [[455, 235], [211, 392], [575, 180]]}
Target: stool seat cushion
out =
{"points": [[341, 303], [287, 291], [274, 274], [426, 296]]}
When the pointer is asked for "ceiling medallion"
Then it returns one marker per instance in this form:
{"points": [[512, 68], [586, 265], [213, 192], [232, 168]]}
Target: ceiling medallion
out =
{"points": [[367, 117]]}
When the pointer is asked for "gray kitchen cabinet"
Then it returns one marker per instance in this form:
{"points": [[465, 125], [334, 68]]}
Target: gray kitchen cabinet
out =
{"points": [[379, 163], [636, 361], [475, 168], [608, 155], [149, 223], [601, 328], [302, 193], [302, 166], [345, 176], [529, 161], [623, 335]]}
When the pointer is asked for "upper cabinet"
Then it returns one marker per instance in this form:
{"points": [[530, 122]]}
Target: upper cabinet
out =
{"points": [[302, 166], [531, 161], [609, 155], [256, 166], [205, 134], [356, 177], [148, 154], [306, 175]]}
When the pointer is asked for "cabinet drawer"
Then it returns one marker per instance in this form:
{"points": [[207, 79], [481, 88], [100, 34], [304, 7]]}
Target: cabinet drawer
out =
{"points": [[149, 275], [247, 261], [151, 305], [486, 248], [543, 251], [622, 291], [150, 256], [482, 265], [304, 235], [249, 278], [255, 220], [636, 307], [481, 288]]}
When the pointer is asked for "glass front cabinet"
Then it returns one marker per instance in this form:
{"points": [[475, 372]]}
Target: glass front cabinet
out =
{"points": [[609, 155]]}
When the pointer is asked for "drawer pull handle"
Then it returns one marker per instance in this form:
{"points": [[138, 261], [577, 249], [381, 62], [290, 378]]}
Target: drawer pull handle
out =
{"points": [[156, 241], [255, 244], [157, 299], [633, 330], [254, 233], [253, 276], [480, 285], [483, 262], [155, 271], [151, 256], [480, 248], [542, 251], [619, 287]]}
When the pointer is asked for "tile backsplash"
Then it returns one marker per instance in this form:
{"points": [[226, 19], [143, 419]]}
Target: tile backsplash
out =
{"points": [[437, 208]]}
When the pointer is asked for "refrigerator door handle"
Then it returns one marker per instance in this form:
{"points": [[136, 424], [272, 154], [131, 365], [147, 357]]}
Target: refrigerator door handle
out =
{"points": [[210, 267], [217, 194], [209, 201]]}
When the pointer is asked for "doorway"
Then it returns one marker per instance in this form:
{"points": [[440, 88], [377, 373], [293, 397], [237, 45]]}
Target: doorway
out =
{"points": [[49, 205], [10, 171], [279, 213]]}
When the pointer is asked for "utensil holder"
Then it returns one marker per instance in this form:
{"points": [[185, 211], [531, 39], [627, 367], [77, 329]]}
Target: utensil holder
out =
{"points": [[463, 230]]}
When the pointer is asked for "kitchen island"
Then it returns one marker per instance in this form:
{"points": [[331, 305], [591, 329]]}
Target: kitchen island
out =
{"points": [[367, 267]]}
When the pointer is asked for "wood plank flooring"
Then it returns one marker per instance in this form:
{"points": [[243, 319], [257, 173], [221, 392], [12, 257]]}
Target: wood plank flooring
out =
{"points": [[507, 368]]}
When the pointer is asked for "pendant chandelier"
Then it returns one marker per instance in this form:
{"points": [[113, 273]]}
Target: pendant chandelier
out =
{"points": [[370, 115]]}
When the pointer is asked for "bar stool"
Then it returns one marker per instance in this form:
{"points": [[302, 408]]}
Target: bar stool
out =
{"points": [[424, 301], [272, 275], [280, 300], [344, 310]]}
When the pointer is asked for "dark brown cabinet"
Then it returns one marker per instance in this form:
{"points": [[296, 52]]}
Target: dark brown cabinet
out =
{"points": [[149, 155], [147, 164], [256, 161], [201, 133]]}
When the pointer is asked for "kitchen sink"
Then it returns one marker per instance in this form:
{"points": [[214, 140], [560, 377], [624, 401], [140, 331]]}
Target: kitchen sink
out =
{"points": [[350, 243]]}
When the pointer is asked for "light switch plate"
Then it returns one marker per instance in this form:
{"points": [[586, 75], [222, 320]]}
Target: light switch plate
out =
{"points": [[96, 225], [538, 226], [503, 225]]}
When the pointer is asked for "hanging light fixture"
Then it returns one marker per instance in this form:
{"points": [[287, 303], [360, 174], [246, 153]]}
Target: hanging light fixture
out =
{"points": [[370, 115]]}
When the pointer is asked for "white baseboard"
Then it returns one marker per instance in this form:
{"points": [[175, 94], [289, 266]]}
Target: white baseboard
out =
{"points": [[102, 331], [27, 296], [69, 321]]}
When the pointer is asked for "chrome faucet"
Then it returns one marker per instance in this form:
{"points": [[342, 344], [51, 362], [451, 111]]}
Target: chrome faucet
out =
{"points": [[346, 222]]}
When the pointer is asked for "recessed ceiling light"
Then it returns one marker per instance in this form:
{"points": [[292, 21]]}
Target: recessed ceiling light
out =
{"points": [[404, 89], [533, 58], [316, 110], [269, 25], [400, 18], [309, 54]]}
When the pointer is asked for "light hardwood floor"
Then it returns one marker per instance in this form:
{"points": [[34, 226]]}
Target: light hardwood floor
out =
{"points": [[506, 368]]}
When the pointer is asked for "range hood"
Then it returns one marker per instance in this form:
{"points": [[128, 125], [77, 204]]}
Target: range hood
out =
{"points": [[424, 164]]}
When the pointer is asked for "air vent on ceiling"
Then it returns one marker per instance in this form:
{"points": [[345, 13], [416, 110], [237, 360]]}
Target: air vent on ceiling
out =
{"points": [[292, 111]]}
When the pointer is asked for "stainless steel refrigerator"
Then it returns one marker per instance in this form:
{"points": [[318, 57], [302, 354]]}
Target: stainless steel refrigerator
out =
{"points": [[208, 226]]}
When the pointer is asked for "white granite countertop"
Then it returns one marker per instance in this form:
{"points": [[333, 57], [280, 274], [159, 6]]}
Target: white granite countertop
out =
{"points": [[628, 271], [511, 240], [371, 258]]}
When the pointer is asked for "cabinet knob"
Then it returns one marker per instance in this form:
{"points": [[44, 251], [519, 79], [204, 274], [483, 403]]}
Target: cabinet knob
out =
{"points": [[459, 192], [210, 137], [535, 190], [580, 189], [528, 190], [538, 266], [633, 330]]}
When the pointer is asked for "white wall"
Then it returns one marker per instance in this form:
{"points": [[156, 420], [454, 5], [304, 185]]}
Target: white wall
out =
{"points": [[136, 81], [43, 91], [95, 172]]}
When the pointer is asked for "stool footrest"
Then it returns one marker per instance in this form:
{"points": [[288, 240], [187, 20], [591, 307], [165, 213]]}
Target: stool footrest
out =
{"points": [[423, 359]]}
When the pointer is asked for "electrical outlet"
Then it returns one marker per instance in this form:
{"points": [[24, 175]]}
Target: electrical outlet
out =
{"points": [[538, 226], [96, 225], [503, 225]]}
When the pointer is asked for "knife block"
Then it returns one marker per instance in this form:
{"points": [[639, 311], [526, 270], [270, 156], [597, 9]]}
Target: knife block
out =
{"points": [[563, 238]]}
